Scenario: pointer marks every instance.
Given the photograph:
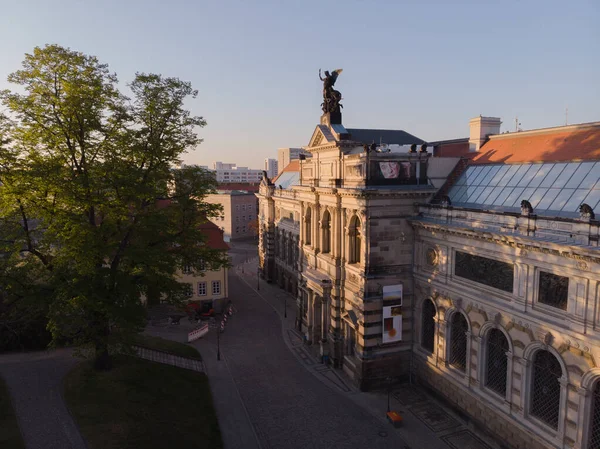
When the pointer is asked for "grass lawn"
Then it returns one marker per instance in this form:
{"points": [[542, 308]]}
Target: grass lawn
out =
{"points": [[172, 347], [142, 404], [10, 435]]}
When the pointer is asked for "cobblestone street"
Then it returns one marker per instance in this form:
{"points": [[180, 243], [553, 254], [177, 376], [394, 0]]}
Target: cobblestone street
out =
{"points": [[270, 391]]}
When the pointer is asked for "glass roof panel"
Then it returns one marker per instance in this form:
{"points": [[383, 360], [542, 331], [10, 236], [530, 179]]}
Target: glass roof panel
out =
{"points": [[548, 198], [481, 177], [472, 173], [500, 199], [540, 175], [591, 178], [551, 188], [498, 176], [566, 175], [514, 197], [481, 198], [518, 175], [509, 174], [575, 201], [551, 177], [526, 178], [593, 199], [561, 199], [474, 194], [537, 196], [580, 173]]}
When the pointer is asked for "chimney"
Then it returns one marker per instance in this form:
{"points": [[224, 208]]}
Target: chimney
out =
{"points": [[480, 128]]}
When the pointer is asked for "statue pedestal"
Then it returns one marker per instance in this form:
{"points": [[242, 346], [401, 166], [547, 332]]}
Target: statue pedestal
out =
{"points": [[331, 118]]}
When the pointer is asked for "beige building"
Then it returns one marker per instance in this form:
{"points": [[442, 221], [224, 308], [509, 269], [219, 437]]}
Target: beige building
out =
{"points": [[208, 286], [239, 213], [475, 269], [287, 155]]}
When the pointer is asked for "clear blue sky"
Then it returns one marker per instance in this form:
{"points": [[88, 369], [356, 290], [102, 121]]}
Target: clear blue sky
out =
{"points": [[423, 66]]}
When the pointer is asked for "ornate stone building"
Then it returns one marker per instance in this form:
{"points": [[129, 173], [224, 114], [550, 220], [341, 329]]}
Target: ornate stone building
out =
{"points": [[339, 238], [497, 259], [507, 280]]}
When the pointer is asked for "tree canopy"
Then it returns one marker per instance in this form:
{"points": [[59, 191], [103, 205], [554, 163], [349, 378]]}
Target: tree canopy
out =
{"points": [[93, 214]]}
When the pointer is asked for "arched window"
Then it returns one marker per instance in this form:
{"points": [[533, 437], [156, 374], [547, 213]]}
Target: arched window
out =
{"points": [[497, 362], [428, 325], [355, 240], [307, 226], [594, 432], [458, 341], [545, 388], [326, 225]]}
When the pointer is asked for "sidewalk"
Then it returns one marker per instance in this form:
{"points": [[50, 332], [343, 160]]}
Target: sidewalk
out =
{"points": [[426, 422]]}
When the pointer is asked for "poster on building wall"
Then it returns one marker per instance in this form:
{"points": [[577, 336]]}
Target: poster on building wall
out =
{"points": [[392, 315]]}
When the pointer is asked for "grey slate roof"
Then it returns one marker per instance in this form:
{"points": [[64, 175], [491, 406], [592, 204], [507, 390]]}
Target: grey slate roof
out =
{"points": [[388, 136]]}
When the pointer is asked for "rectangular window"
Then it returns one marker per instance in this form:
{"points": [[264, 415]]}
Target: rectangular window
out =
{"points": [[237, 207], [243, 207], [243, 229], [201, 288], [249, 206], [202, 265], [187, 269], [249, 217], [553, 290], [485, 271], [216, 287], [243, 218]]}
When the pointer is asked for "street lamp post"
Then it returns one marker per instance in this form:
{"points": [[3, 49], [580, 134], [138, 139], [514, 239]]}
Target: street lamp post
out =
{"points": [[219, 343], [389, 387]]}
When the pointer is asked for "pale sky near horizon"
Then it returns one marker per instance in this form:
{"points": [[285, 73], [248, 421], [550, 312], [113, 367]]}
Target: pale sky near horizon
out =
{"points": [[426, 66]]}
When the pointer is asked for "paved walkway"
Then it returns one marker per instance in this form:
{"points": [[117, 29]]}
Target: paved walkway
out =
{"points": [[427, 423], [35, 384]]}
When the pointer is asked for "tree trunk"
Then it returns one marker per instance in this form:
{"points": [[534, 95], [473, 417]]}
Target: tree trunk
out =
{"points": [[102, 359]]}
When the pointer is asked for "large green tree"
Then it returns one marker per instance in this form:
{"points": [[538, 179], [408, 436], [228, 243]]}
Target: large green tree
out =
{"points": [[92, 212]]}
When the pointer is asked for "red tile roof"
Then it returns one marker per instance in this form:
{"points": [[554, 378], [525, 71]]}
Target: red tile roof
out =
{"points": [[565, 143], [294, 165], [215, 236]]}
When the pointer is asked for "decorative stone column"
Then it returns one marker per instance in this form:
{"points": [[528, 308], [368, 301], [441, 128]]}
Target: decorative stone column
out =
{"points": [[311, 318]]}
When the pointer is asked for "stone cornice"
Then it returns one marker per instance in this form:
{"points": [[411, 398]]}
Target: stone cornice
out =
{"points": [[510, 241]]}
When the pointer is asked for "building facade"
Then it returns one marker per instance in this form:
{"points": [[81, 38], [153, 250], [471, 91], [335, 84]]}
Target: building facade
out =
{"points": [[287, 155], [341, 241], [475, 269], [238, 218], [208, 287], [231, 173], [271, 167]]}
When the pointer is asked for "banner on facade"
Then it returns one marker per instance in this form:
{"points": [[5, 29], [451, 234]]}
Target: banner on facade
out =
{"points": [[198, 333], [392, 293], [392, 324], [392, 315]]}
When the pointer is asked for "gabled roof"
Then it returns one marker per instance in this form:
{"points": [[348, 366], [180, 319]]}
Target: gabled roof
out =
{"points": [[289, 176], [564, 143], [389, 136], [215, 236]]}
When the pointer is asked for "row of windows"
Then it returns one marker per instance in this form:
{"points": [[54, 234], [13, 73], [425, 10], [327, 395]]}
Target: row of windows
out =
{"points": [[354, 234], [243, 207], [553, 289], [216, 289], [188, 269], [237, 219], [545, 370]]}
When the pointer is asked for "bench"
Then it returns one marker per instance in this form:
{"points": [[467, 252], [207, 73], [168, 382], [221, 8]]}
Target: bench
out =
{"points": [[395, 418]]}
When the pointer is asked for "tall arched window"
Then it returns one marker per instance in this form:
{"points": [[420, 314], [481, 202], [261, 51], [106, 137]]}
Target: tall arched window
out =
{"points": [[497, 362], [428, 325], [326, 225], [458, 341], [355, 240], [594, 431], [545, 388], [307, 226]]}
